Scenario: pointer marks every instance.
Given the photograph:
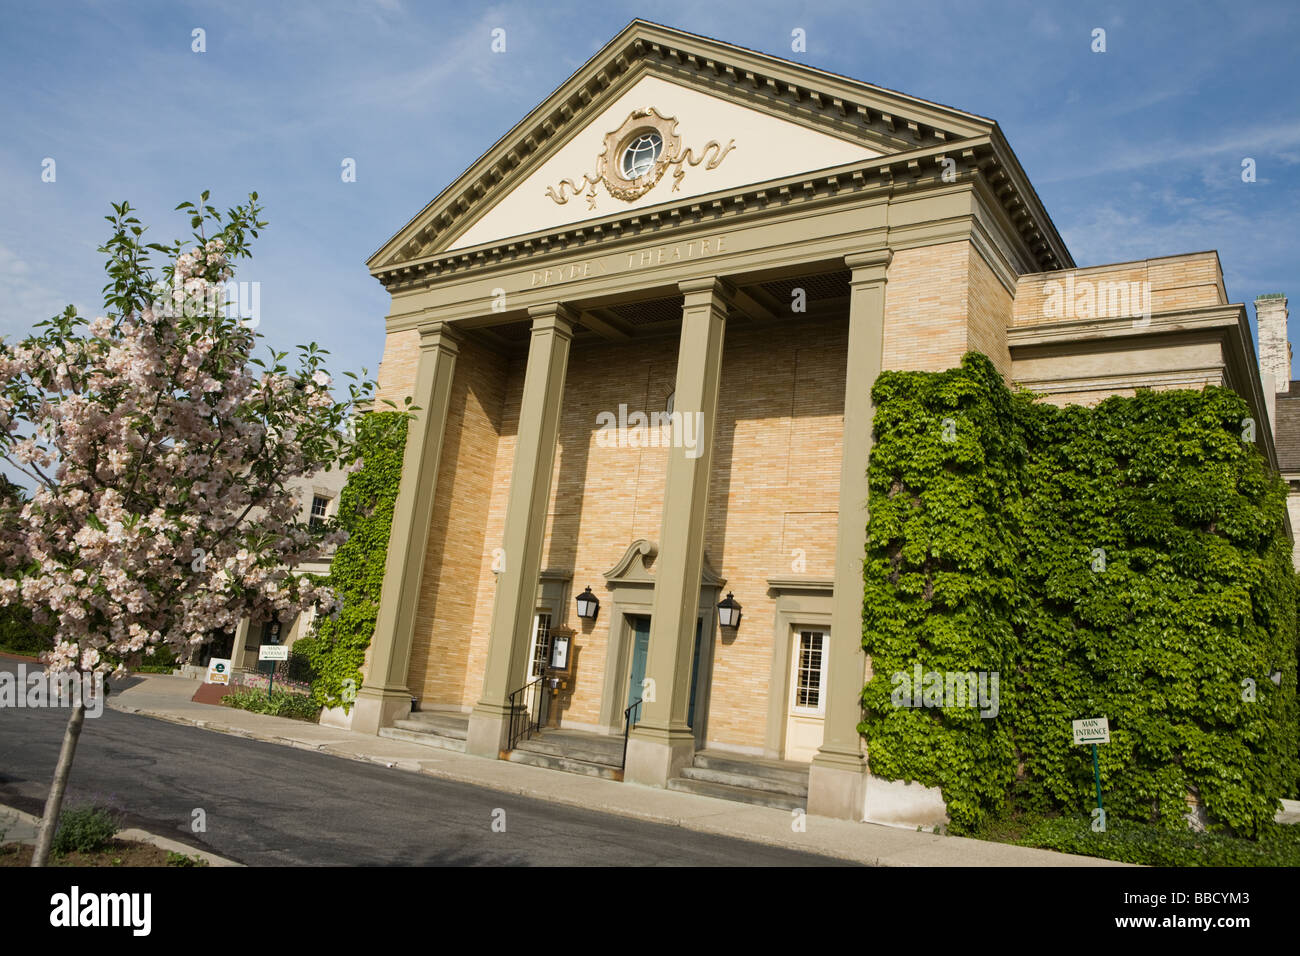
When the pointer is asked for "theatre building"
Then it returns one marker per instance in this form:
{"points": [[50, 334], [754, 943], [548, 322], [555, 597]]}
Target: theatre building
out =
{"points": [[642, 331]]}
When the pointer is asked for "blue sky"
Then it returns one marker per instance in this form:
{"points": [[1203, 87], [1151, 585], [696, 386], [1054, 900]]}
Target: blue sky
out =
{"points": [[1135, 152]]}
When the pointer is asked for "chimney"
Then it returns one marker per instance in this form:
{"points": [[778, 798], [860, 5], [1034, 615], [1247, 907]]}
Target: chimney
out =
{"points": [[1274, 350]]}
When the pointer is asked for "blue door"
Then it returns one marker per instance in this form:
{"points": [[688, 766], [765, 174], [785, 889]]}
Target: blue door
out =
{"points": [[695, 673], [640, 647]]}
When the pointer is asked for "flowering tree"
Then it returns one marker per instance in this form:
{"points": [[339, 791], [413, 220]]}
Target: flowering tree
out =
{"points": [[158, 450]]}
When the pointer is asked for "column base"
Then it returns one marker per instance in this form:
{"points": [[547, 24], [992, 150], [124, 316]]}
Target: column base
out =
{"points": [[837, 787], [656, 756], [378, 707], [488, 733]]}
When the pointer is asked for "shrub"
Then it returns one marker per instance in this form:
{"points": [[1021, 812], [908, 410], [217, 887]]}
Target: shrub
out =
{"points": [[20, 634], [180, 859], [279, 704], [1148, 845], [85, 830]]}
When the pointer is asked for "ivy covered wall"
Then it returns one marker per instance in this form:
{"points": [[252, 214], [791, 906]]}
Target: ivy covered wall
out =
{"points": [[1128, 561], [337, 648]]}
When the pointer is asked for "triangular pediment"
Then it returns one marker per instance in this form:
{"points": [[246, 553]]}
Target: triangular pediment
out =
{"points": [[725, 118], [692, 143]]}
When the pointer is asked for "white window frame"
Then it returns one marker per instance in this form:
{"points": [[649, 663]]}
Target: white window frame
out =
{"points": [[538, 614], [797, 670]]}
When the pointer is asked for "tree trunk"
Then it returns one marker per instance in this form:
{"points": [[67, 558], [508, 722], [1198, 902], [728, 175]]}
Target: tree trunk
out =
{"points": [[54, 802]]}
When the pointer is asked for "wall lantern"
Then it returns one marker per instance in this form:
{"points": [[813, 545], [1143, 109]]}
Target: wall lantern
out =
{"points": [[587, 605], [728, 611]]}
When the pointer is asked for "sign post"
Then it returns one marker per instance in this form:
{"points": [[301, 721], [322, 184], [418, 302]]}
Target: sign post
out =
{"points": [[272, 652], [1094, 731]]}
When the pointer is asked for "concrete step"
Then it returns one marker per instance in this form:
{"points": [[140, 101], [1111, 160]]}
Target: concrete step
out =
{"points": [[748, 781], [783, 771], [428, 739], [589, 748], [759, 798], [449, 725], [549, 761]]}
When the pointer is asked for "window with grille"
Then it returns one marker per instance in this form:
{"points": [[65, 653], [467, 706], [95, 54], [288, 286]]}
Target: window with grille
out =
{"points": [[541, 644], [808, 677], [319, 504]]}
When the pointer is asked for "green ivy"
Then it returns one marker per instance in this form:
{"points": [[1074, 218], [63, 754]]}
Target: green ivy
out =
{"points": [[941, 578], [1128, 561], [337, 648], [1146, 845]]}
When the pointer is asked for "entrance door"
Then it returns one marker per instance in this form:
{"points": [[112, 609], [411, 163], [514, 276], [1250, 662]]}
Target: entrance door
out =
{"points": [[539, 656], [641, 647], [806, 713]]}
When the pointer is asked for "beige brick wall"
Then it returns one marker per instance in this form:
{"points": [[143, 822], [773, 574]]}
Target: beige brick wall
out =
{"points": [[455, 554], [941, 302], [925, 308], [988, 305], [774, 489], [395, 377], [1175, 282]]}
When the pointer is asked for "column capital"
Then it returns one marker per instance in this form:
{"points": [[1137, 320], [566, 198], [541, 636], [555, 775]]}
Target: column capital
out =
{"points": [[441, 335], [869, 266], [553, 316], [709, 288]]}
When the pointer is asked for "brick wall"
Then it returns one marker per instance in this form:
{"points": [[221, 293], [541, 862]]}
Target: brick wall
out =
{"points": [[1175, 282], [441, 649]]}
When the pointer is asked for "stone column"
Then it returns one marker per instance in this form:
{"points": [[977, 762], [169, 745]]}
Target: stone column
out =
{"points": [[526, 506], [237, 650], [384, 696], [662, 743], [837, 779]]}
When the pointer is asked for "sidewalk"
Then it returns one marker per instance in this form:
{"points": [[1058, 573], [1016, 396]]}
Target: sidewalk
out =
{"points": [[168, 698]]}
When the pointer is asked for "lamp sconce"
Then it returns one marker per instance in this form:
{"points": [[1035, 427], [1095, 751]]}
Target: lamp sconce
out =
{"points": [[588, 605], [729, 611]]}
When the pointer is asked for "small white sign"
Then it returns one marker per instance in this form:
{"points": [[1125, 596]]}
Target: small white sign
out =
{"points": [[1092, 730], [273, 652], [218, 671]]}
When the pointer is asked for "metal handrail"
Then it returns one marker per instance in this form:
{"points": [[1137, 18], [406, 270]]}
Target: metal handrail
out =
{"points": [[523, 724], [627, 725]]}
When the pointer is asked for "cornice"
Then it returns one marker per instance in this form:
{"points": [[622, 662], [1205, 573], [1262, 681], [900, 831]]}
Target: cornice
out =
{"points": [[896, 175]]}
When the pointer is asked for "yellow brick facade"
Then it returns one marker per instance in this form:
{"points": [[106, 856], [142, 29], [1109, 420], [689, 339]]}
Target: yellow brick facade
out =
{"points": [[772, 505]]}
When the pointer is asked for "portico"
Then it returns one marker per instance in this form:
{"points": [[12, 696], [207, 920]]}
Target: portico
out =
{"points": [[790, 233]]}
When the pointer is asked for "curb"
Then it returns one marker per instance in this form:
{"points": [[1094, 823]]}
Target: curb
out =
{"points": [[138, 836]]}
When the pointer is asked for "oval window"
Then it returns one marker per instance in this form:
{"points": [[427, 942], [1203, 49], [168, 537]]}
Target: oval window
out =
{"points": [[640, 153]]}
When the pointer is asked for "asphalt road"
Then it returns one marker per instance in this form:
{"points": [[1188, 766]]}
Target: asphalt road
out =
{"points": [[267, 805]]}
